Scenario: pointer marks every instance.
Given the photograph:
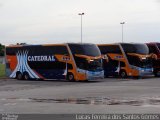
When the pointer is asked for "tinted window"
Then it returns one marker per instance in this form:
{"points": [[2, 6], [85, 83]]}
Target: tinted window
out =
{"points": [[152, 49], [135, 48], [110, 49], [122, 64], [11, 51], [47, 65], [69, 66], [85, 49], [134, 60], [158, 46], [82, 63], [38, 50]]}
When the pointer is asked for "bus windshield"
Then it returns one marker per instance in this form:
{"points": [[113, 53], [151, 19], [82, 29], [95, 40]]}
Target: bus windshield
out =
{"points": [[93, 65], [85, 49], [135, 61], [135, 48], [88, 50], [139, 49]]}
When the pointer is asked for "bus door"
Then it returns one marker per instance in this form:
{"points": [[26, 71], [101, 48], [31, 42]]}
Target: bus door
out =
{"points": [[111, 68]]}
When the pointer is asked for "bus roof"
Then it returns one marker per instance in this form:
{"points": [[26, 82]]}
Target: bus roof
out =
{"points": [[62, 44], [153, 43], [117, 44]]}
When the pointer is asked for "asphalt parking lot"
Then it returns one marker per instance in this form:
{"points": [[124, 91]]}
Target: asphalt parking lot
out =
{"points": [[110, 95]]}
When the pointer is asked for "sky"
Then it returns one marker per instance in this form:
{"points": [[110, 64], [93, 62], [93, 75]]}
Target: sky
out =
{"points": [[57, 21]]}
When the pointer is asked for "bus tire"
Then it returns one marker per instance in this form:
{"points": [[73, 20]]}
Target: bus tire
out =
{"points": [[123, 74], [70, 77], [137, 77], [106, 76], [156, 73], [19, 76], [26, 76]]}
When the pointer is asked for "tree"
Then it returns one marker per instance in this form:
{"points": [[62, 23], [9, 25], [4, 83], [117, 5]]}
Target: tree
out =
{"points": [[2, 49]]}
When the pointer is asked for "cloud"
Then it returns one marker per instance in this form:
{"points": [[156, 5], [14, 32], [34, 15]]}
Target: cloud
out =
{"points": [[48, 21], [1, 5], [158, 1]]}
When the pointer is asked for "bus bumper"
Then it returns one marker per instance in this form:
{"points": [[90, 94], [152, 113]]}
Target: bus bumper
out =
{"points": [[146, 72], [92, 75]]}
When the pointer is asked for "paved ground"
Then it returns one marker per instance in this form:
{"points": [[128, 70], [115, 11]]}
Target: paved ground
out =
{"points": [[111, 95]]}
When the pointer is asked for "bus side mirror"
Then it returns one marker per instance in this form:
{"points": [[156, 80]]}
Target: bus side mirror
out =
{"points": [[105, 57]]}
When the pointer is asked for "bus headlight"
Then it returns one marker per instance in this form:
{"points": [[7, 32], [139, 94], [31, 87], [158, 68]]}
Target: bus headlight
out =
{"points": [[81, 71]]}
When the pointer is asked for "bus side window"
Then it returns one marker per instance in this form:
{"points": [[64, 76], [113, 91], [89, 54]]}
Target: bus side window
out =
{"points": [[70, 66], [122, 64]]}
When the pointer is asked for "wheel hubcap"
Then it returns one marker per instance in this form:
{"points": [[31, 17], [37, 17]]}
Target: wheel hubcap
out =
{"points": [[19, 76], [70, 77], [123, 74], [26, 77]]}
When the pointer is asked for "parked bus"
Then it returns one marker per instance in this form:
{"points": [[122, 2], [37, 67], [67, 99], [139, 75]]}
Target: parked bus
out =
{"points": [[71, 61], [126, 59], [154, 48]]}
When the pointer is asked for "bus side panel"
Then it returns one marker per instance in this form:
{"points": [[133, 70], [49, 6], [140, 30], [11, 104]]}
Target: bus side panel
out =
{"points": [[49, 70], [37, 61]]}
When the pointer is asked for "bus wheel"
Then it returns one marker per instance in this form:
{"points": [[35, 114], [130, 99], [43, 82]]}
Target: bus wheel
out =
{"points": [[137, 77], [26, 76], [70, 77], [155, 73], [123, 74], [19, 76]]}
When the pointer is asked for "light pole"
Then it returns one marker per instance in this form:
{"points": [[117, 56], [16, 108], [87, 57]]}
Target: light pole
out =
{"points": [[81, 24], [122, 23]]}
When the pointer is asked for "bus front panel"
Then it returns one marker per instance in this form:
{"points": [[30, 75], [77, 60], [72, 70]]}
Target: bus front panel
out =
{"points": [[88, 61]]}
